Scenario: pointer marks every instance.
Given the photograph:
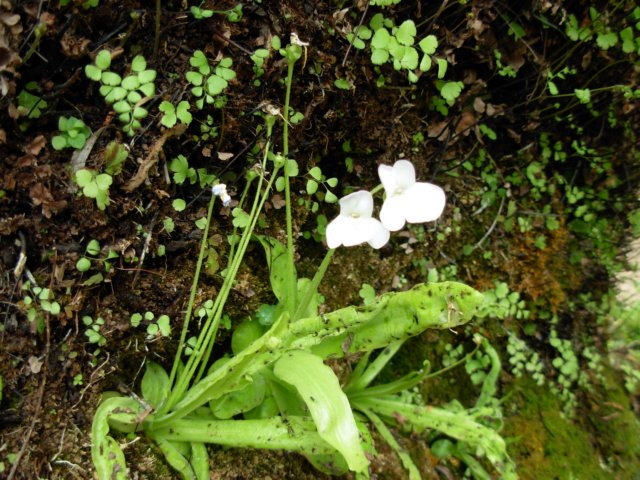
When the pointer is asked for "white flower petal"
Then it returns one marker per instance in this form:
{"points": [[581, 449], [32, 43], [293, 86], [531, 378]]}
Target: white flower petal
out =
{"points": [[335, 230], [385, 172], [392, 213], [404, 174], [360, 231], [358, 204], [424, 202], [349, 231], [380, 235]]}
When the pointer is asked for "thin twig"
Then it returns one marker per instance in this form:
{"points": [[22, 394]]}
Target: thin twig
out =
{"points": [[355, 33]]}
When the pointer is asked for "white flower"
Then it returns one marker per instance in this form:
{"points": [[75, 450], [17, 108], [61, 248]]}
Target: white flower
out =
{"points": [[408, 200], [220, 190], [355, 225]]}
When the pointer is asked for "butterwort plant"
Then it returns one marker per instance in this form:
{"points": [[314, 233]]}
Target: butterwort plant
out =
{"points": [[273, 390]]}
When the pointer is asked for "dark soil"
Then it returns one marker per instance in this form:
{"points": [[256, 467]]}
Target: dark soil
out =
{"points": [[52, 381]]}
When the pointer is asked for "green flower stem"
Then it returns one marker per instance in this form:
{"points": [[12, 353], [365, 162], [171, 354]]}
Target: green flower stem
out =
{"points": [[312, 288], [205, 343], [211, 327], [192, 296], [291, 280]]}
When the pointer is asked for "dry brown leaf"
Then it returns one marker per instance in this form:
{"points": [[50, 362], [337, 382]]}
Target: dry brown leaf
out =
{"points": [[277, 201], [152, 157], [74, 47], [36, 145], [479, 105], [467, 120], [224, 156], [438, 130], [40, 195]]}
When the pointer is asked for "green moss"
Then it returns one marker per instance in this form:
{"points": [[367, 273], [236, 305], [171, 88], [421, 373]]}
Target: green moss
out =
{"points": [[545, 445]]}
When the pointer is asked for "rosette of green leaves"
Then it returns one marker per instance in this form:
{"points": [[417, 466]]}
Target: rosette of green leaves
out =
{"points": [[73, 133], [127, 94], [208, 83]]}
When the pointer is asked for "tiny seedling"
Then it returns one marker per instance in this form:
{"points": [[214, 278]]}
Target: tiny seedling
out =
{"points": [[93, 330], [233, 14], [31, 105], [73, 134], [94, 185], [114, 156], [174, 113]]}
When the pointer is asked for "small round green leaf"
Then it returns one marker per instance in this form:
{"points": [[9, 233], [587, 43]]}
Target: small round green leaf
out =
{"points": [[312, 186], [138, 64], [179, 204], [103, 59], [83, 264]]}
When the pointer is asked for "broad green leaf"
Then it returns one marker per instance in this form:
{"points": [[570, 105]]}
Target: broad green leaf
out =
{"points": [[410, 58], [607, 40], [138, 64], [240, 218], [83, 264], [194, 78], [391, 317], [121, 107], [93, 73], [216, 84], [106, 454], [320, 389], [381, 39], [275, 252], [379, 56], [182, 112], [179, 204], [429, 44], [146, 76], [459, 425], [316, 173], [176, 459], [451, 90], [58, 142], [140, 113], [291, 167], [312, 186], [103, 181], [103, 59], [154, 384], [130, 82], [110, 78], [294, 434], [406, 33], [425, 64], [200, 460], [148, 89], [84, 177], [240, 401], [342, 84], [164, 324]]}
